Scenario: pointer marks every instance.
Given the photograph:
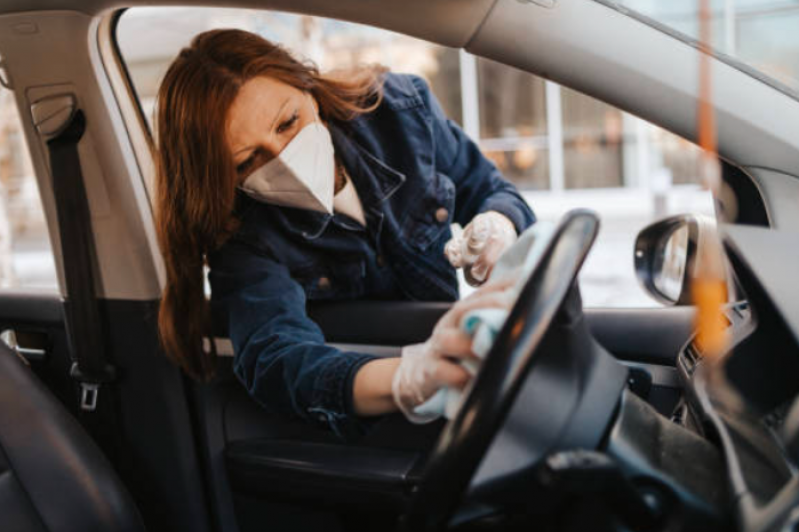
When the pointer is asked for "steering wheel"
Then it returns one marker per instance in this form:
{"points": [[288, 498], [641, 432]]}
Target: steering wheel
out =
{"points": [[465, 440]]}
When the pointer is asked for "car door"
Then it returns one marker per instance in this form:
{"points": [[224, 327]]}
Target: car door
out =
{"points": [[253, 455]]}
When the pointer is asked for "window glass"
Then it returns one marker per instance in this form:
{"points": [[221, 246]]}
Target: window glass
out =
{"points": [[26, 258], [563, 149], [149, 38], [512, 102], [525, 164], [761, 33], [592, 142], [513, 123]]}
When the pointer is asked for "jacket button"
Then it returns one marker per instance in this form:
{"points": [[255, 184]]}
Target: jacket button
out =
{"points": [[442, 215], [324, 283]]}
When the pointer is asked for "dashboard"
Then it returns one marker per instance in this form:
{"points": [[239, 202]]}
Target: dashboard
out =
{"points": [[746, 402]]}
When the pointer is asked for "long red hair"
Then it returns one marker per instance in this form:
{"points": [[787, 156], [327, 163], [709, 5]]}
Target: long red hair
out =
{"points": [[195, 173]]}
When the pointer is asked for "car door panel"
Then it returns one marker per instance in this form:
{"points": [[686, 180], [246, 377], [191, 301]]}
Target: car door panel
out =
{"points": [[251, 449], [651, 336], [248, 452], [328, 474], [35, 323]]}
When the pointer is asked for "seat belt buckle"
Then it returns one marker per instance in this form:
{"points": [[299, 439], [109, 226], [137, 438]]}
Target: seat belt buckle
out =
{"points": [[88, 396], [90, 385]]}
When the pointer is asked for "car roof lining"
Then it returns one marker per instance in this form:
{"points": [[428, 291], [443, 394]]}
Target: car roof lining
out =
{"points": [[726, 58], [432, 19]]}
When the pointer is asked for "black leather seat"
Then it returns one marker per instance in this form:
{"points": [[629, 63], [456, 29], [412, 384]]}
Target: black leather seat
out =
{"points": [[53, 477]]}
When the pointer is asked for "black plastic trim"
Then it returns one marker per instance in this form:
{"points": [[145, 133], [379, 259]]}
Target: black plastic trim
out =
{"points": [[41, 309], [322, 473]]}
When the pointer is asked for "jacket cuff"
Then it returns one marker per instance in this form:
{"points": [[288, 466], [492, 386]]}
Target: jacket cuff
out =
{"points": [[333, 401], [513, 208]]}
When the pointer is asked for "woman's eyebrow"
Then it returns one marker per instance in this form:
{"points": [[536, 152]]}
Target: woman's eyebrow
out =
{"points": [[279, 111], [285, 102], [244, 149]]}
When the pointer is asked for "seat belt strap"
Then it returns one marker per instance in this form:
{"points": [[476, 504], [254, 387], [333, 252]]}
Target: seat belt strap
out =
{"points": [[83, 319]]}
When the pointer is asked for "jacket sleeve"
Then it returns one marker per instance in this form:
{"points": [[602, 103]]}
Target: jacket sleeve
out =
{"points": [[479, 185], [280, 353]]}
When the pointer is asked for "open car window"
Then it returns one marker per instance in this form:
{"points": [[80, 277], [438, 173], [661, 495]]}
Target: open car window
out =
{"points": [[561, 148]]}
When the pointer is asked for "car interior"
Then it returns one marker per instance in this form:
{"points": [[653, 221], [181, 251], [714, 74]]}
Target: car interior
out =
{"points": [[609, 419]]}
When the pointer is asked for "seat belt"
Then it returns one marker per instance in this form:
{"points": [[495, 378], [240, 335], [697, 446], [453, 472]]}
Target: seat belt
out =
{"points": [[85, 328]]}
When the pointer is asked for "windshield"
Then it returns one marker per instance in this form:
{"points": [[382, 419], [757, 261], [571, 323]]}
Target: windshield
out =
{"points": [[761, 34]]}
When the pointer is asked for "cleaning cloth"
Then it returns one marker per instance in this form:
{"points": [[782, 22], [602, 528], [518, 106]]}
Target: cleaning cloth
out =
{"points": [[483, 325]]}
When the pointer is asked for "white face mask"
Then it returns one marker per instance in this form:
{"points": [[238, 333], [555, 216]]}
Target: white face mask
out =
{"points": [[301, 175]]}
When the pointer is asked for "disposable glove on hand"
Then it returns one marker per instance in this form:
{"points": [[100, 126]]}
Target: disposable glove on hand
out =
{"points": [[480, 245], [427, 367]]}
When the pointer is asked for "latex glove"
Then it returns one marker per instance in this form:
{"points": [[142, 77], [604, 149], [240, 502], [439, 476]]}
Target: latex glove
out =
{"points": [[425, 368], [480, 245]]}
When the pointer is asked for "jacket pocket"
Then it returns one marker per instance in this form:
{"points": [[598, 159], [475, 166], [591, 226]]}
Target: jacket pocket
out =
{"points": [[430, 214], [323, 280]]}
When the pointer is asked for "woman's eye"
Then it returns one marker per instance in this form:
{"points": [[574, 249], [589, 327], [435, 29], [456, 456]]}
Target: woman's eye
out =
{"points": [[244, 165], [284, 126]]}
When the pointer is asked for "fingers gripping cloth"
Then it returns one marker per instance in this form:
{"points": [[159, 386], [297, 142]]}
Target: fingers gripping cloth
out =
{"points": [[483, 325]]}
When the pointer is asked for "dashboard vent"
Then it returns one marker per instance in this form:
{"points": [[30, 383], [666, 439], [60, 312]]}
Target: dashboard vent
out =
{"points": [[691, 356]]}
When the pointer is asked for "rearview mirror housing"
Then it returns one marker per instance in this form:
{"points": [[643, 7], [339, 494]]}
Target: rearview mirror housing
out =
{"points": [[666, 255]]}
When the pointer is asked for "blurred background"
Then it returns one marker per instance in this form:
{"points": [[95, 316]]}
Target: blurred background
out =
{"points": [[561, 148]]}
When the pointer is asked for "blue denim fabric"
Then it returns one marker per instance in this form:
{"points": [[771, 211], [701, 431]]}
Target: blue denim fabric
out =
{"points": [[416, 172]]}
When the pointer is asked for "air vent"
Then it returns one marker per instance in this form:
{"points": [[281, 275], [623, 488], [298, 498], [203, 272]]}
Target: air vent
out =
{"points": [[691, 357]]}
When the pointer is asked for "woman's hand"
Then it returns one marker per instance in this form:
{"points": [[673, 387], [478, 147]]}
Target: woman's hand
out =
{"points": [[425, 368], [483, 241]]}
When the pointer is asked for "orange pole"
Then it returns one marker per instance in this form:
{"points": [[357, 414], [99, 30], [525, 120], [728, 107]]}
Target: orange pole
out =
{"points": [[708, 288]]}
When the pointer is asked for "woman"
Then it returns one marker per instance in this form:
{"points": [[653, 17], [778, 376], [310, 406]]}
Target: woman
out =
{"points": [[291, 186]]}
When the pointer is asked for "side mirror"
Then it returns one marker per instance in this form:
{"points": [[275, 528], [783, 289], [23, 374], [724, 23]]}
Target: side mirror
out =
{"points": [[666, 255]]}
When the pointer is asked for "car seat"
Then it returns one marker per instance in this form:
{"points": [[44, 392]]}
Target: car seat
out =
{"points": [[53, 478]]}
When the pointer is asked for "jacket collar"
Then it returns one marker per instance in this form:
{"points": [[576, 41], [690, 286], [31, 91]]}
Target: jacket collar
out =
{"points": [[374, 180]]}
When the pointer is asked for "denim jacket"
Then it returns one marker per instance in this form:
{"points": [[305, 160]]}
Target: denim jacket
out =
{"points": [[416, 172]]}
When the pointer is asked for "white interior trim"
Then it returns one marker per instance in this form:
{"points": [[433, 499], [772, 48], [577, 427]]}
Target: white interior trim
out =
{"points": [[58, 52]]}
